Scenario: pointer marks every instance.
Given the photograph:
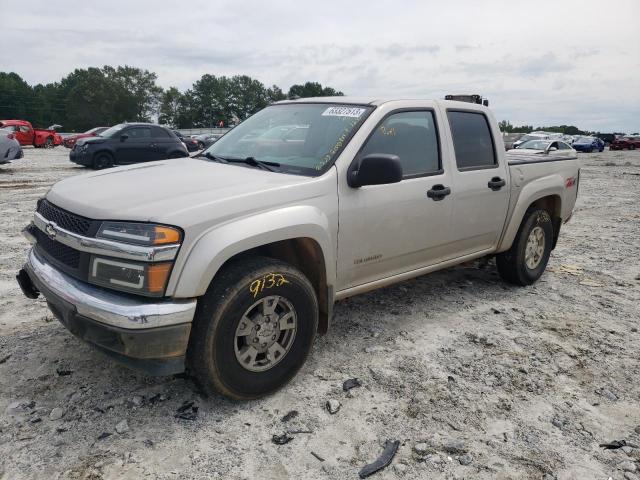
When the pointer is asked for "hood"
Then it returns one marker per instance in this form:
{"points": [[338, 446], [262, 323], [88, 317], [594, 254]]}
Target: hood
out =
{"points": [[87, 139], [173, 191]]}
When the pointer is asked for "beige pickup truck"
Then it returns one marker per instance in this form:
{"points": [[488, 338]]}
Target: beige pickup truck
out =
{"points": [[229, 264]]}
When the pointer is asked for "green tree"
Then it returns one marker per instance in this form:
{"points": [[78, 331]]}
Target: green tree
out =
{"points": [[312, 89], [275, 94], [16, 96]]}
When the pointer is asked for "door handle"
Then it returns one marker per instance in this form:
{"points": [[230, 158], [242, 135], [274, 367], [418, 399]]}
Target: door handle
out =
{"points": [[496, 183], [438, 192]]}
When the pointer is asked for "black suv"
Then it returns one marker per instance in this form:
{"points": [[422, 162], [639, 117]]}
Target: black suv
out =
{"points": [[127, 143]]}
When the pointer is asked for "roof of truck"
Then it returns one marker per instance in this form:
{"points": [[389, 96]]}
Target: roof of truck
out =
{"points": [[376, 101]]}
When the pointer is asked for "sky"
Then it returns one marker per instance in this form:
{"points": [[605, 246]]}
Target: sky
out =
{"points": [[539, 63]]}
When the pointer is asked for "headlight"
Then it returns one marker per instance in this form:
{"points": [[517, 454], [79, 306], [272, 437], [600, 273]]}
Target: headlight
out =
{"points": [[139, 233], [148, 279]]}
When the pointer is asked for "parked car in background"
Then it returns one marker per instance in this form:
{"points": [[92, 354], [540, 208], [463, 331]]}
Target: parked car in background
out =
{"points": [[128, 143], [511, 138], [10, 148], [207, 139], [27, 135], [71, 140], [625, 143], [588, 144], [536, 136], [546, 147], [189, 142], [607, 138]]}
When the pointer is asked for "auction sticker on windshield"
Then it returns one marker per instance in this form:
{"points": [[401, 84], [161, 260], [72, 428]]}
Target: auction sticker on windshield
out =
{"points": [[344, 112]]}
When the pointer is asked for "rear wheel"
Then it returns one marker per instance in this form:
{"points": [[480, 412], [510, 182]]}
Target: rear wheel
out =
{"points": [[253, 328], [526, 260], [632, 147], [48, 143], [102, 160], [200, 145]]}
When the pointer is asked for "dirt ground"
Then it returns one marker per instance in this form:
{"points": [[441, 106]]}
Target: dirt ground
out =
{"points": [[476, 379]]}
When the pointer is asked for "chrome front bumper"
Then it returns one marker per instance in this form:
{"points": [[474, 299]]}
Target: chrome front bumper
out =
{"points": [[108, 308]]}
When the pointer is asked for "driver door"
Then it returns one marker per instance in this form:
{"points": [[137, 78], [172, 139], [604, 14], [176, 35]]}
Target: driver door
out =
{"points": [[385, 230]]}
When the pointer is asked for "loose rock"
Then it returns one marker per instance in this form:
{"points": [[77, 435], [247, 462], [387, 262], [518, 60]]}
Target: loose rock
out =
{"points": [[465, 459], [122, 427], [56, 414], [332, 406]]}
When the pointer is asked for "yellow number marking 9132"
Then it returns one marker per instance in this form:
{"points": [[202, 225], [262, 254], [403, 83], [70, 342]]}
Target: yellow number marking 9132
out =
{"points": [[270, 280]]}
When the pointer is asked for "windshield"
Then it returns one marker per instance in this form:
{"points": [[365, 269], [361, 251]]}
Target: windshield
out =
{"points": [[110, 132], [303, 138], [534, 145]]}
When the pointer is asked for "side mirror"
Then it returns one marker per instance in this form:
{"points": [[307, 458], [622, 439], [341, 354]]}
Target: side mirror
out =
{"points": [[552, 149], [123, 137], [375, 169]]}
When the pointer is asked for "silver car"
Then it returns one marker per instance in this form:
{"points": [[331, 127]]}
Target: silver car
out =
{"points": [[10, 148]]}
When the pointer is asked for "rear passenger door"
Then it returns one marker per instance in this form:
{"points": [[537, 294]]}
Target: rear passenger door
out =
{"points": [[386, 230], [162, 142], [480, 183]]}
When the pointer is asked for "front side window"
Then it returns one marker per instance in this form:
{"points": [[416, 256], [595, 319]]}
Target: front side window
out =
{"points": [[472, 140], [139, 132], [412, 136], [302, 138]]}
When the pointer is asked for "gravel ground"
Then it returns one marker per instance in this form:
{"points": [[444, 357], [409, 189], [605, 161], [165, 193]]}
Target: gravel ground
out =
{"points": [[476, 379]]}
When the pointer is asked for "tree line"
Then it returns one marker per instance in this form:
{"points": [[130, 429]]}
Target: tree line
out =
{"points": [[506, 127], [105, 96]]}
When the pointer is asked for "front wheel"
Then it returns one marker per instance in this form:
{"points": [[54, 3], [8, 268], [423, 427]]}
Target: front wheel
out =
{"points": [[632, 147], [102, 160], [524, 263], [253, 328], [48, 143]]}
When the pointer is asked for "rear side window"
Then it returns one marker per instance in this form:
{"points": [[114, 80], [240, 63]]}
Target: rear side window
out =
{"points": [[412, 136], [160, 133], [472, 140]]}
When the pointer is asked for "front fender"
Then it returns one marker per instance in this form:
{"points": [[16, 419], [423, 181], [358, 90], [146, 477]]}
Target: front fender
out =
{"points": [[552, 185], [217, 245]]}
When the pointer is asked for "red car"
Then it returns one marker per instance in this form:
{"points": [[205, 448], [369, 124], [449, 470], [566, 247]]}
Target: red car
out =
{"points": [[71, 140], [27, 135], [620, 143]]}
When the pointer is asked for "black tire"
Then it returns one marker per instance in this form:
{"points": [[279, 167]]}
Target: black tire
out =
{"points": [[512, 265], [632, 147], [212, 355], [48, 143], [200, 146], [102, 160]]}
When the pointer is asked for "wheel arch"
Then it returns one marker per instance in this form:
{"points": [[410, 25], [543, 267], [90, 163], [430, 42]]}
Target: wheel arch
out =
{"points": [[548, 199], [306, 246]]}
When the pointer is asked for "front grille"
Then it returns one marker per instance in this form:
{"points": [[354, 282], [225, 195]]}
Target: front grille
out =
{"points": [[56, 250], [67, 220]]}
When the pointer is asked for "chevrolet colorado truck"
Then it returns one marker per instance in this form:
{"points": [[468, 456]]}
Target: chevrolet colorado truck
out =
{"points": [[229, 263]]}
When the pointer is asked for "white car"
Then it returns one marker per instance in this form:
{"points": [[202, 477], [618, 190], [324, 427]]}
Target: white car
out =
{"points": [[537, 136], [10, 148], [547, 147]]}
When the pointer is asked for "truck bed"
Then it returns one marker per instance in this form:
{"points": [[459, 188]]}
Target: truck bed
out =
{"points": [[520, 159]]}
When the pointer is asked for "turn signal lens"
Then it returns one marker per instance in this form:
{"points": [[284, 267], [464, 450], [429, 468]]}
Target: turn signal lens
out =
{"points": [[158, 275], [166, 235]]}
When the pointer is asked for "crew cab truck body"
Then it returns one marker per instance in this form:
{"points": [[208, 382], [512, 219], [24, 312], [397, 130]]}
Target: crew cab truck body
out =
{"points": [[27, 135], [229, 264]]}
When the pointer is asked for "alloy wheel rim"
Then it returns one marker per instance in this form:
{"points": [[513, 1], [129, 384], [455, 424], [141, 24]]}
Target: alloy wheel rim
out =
{"points": [[535, 248], [265, 333]]}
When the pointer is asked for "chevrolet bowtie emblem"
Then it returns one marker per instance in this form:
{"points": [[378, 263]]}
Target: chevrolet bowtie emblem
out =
{"points": [[50, 228]]}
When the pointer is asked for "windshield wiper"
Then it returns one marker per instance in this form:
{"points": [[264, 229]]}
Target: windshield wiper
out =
{"points": [[211, 156], [254, 163]]}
